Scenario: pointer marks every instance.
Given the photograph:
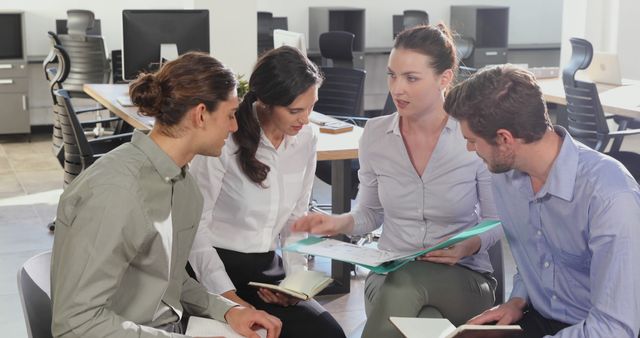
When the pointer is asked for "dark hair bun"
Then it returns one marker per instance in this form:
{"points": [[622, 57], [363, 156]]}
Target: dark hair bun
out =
{"points": [[146, 94]]}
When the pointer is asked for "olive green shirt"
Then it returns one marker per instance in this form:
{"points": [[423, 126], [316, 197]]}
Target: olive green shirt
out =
{"points": [[124, 230]]}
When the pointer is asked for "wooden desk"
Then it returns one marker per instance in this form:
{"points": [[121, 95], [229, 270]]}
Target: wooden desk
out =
{"points": [[620, 100], [338, 148]]}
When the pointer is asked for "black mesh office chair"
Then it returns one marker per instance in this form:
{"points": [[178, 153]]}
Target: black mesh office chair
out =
{"points": [[34, 288], [586, 121], [79, 152], [412, 18], [341, 96], [337, 46], [265, 32]]}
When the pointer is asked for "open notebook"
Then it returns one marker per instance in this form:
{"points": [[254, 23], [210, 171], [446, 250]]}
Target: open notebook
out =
{"points": [[205, 327], [302, 284], [442, 328]]}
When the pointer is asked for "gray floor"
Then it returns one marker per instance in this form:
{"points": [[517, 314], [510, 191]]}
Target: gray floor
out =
{"points": [[30, 185]]}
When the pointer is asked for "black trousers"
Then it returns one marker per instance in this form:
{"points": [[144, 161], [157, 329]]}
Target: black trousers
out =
{"points": [[536, 326], [305, 319]]}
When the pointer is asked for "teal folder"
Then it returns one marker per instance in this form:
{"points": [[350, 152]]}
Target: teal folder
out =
{"points": [[395, 264]]}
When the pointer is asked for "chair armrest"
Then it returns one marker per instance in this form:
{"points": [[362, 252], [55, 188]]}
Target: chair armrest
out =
{"points": [[91, 109], [624, 132]]}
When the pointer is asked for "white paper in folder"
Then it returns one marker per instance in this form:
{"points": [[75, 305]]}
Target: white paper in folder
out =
{"points": [[205, 327]]}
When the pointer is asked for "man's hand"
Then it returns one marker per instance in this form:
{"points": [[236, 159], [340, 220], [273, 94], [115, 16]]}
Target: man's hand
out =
{"points": [[505, 314], [243, 320], [323, 224], [272, 297], [232, 296], [453, 254]]}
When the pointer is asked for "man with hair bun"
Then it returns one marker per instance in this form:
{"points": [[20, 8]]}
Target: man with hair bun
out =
{"points": [[125, 226]]}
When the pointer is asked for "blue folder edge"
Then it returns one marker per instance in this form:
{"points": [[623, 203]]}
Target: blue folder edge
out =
{"points": [[396, 264]]}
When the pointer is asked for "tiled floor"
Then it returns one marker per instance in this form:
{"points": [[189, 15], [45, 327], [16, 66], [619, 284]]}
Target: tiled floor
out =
{"points": [[30, 185]]}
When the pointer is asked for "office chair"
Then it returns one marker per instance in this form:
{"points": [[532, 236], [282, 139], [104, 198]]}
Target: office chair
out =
{"points": [[265, 32], [412, 18], [585, 118], [281, 22], [34, 289], [337, 46], [340, 96]]}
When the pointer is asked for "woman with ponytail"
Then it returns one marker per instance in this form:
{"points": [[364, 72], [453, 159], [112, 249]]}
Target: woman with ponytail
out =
{"points": [[257, 188], [417, 178]]}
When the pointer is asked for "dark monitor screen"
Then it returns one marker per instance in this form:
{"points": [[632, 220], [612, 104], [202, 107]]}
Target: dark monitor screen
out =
{"points": [[11, 36], [145, 30], [61, 27]]}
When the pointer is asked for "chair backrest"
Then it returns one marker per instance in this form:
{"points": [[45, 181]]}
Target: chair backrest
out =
{"points": [[412, 18], [78, 154], [338, 47], [80, 21], [496, 256], [34, 289], [341, 92], [265, 32], [87, 55], [586, 121]]}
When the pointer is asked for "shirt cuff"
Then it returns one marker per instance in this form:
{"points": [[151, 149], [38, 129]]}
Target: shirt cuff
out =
{"points": [[359, 224]]}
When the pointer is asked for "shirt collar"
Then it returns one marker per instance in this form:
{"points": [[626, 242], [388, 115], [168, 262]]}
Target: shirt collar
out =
{"points": [[163, 164], [394, 127], [562, 176]]}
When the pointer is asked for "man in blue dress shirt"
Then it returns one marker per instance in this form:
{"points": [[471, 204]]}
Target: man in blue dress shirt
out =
{"points": [[571, 215]]}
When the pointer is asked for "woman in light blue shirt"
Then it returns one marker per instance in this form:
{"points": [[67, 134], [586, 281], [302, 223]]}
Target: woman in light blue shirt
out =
{"points": [[417, 178]]}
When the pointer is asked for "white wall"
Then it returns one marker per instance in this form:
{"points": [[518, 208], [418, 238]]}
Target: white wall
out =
{"points": [[530, 21], [40, 17], [610, 26]]}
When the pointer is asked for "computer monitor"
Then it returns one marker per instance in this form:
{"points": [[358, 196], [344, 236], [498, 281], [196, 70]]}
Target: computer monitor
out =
{"points": [[150, 36], [288, 38], [11, 36]]}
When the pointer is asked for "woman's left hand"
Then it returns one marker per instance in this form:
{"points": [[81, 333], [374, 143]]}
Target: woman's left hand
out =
{"points": [[454, 253], [272, 297]]}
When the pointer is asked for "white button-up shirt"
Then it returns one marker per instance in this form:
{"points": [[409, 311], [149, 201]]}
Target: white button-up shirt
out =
{"points": [[243, 216]]}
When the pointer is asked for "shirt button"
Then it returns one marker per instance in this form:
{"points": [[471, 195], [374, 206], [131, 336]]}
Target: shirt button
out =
{"points": [[539, 233], [554, 297], [167, 179], [546, 264]]}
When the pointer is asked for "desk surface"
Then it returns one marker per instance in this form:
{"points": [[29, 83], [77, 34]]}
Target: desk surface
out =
{"points": [[620, 100], [330, 146]]}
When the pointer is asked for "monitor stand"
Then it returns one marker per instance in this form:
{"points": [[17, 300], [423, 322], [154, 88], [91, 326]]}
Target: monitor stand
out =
{"points": [[168, 52]]}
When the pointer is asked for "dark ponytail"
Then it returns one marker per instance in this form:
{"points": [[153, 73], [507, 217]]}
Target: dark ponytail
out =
{"points": [[279, 77], [248, 137]]}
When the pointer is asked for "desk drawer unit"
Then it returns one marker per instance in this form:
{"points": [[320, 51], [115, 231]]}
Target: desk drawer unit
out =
{"points": [[14, 112]]}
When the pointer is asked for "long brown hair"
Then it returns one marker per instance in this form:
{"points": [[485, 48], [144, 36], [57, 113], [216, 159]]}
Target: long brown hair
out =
{"points": [[278, 78], [433, 41]]}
